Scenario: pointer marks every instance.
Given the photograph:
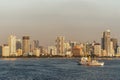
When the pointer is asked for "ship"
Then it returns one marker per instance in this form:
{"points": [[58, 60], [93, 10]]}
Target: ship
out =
{"points": [[89, 62]]}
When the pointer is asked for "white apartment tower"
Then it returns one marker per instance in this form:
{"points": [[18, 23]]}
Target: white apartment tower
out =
{"points": [[12, 45]]}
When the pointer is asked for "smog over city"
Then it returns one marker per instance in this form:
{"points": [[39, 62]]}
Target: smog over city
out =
{"points": [[77, 20]]}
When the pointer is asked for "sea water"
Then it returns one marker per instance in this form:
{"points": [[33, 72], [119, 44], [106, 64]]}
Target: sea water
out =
{"points": [[56, 69]]}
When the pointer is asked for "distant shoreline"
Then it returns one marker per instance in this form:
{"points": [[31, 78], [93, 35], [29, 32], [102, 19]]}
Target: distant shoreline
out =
{"points": [[98, 58]]}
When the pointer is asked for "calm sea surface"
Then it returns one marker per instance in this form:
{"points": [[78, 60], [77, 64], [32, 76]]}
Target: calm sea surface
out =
{"points": [[57, 69]]}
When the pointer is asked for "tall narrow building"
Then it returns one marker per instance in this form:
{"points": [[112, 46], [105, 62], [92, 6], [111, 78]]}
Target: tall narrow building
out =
{"points": [[26, 44], [60, 45], [97, 49], [18, 44], [12, 45], [106, 40], [35, 44], [112, 51], [115, 44]]}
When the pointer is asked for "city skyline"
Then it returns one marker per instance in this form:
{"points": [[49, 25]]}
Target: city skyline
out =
{"points": [[66, 39], [43, 20]]}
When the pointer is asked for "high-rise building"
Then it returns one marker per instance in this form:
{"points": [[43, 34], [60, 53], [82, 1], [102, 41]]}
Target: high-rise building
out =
{"points": [[5, 50], [26, 44], [118, 50], [19, 47], [89, 49], [0, 50], [12, 45], [115, 44], [19, 52], [60, 45], [104, 53], [34, 45], [97, 49], [106, 42], [67, 47], [18, 44], [111, 49]]}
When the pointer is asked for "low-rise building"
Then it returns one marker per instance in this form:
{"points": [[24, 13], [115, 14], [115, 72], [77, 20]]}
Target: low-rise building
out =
{"points": [[77, 51], [36, 52], [52, 50], [5, 50]]}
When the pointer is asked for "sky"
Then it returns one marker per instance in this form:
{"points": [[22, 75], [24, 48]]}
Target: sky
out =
{"points": [[43, 20]]}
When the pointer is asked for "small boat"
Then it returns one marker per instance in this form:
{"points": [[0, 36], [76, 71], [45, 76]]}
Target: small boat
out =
{"points": [[95, 63], [90, 62]]}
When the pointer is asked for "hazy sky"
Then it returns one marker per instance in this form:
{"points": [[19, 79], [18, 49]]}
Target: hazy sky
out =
{"points": [[80, 20]]}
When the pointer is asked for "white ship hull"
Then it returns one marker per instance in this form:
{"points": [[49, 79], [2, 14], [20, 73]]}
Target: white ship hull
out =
{"points": [[96, 64], [84, 61]]}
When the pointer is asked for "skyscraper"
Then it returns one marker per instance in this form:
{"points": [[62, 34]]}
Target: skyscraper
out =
{"points": [[106, 42], [60, 45], [18, 44], [118, 50], [112, 51], [26, 44], [97, 49], [35, 44], [115, 44], [0, 50], [12, 45]]}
